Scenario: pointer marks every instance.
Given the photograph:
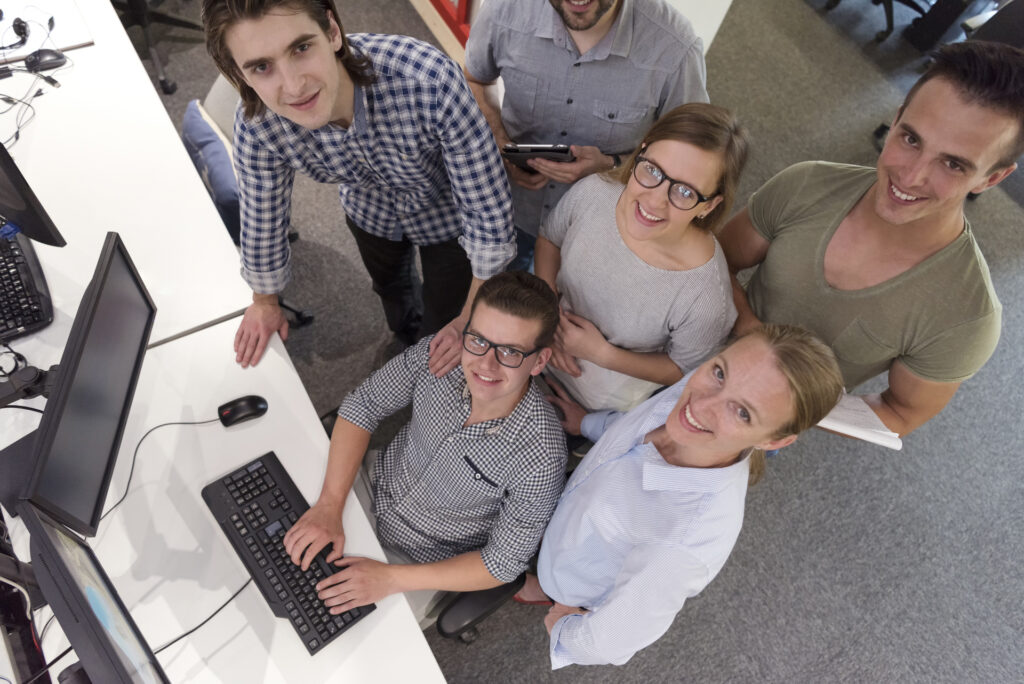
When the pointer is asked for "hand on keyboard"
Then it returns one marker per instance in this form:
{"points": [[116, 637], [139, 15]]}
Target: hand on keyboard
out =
{"points": [[318, 527], [358, 582]]}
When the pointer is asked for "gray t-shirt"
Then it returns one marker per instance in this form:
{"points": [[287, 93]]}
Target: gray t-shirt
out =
{"points": [[635, 305], [941, 318], [650, 62]]}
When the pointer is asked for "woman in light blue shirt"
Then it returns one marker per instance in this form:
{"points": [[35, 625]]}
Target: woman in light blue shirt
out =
{"points": [[651, 514]]}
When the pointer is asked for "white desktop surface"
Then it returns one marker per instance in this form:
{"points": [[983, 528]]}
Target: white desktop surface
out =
{"points": [[102, 154], [172, 564]]}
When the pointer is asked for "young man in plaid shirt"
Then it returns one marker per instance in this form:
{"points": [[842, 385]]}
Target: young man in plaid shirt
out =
{"points": [[390, 120], [463, 493]]}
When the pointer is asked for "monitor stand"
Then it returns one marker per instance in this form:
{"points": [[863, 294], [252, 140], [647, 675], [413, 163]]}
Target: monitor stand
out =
{"points": [[16, 462]]}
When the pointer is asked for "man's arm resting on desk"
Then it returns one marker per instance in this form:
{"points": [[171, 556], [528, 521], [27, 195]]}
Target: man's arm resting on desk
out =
{"points": [[909, 402], [261, 320], [362, 581], [744, 248], [321, 524]]}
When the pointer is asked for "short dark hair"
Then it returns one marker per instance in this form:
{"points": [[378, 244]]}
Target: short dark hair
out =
{"points": [[987, 74], [221, 15], [524, 295]]}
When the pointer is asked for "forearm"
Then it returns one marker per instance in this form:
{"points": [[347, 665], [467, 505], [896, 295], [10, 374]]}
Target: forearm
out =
{"points": [[348, 446], [465, 572], [746, 319], [485, 95], [651, 366], [899, 419], [547, 260]]}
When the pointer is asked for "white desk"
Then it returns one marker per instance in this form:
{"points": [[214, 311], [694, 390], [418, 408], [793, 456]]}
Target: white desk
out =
{"points": [[171, 563], [101, 154]]}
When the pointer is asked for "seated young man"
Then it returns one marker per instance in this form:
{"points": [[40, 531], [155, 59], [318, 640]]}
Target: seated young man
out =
{"points": [[651, 514], [466, 488]]}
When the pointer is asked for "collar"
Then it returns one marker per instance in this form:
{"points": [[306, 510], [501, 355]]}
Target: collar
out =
{"points": [[659, 475], [618, 40]]}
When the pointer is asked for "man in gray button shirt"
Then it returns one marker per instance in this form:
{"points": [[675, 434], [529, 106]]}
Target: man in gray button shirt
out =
{"points": [[593, 74]]}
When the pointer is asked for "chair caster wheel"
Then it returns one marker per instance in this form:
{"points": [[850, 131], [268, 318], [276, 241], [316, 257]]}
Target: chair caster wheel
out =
{"points": [[469, 636], [303, 318], [168, 86], [882, 35]]}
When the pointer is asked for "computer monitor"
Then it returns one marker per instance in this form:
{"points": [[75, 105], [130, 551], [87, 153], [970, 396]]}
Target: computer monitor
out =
{"points": [[106, 640], [75, 447], [19, 205]]}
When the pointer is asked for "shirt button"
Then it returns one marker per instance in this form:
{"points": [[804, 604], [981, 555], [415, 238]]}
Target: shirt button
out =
{"points": [[611, 116], [547, 206], [476, 476], [576, 64], [551, 185], [569, 101], [565, 133]]}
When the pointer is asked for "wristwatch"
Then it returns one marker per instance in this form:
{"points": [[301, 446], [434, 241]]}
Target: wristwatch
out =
{"points": [[616, 161]]}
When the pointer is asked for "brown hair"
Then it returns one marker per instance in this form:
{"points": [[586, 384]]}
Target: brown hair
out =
{"points": [[814, 381], [987, 74], [710, 128], [524, 295], [220, 15]]}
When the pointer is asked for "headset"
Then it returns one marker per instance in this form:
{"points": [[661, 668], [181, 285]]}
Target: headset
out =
{"points": [[21, 30]]}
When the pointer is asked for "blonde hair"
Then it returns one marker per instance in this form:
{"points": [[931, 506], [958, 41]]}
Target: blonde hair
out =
{"points": [[710, 128], [814, 381]]}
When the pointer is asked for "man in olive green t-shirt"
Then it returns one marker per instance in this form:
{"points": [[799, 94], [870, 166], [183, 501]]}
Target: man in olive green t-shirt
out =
{"points": [[881, 263]]}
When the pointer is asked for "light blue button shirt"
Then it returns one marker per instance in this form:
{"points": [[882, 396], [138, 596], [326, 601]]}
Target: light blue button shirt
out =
{"points": [[633, 537]]}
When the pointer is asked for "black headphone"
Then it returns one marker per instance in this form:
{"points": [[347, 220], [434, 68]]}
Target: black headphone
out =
{"points": [[21, 30], [10, 362]]}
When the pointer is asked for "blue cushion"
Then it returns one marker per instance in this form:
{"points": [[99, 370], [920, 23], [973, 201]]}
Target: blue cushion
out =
{"points": [[206, 146]]}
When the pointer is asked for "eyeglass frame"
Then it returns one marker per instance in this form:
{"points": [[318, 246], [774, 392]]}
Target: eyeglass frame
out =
{"points": [[493, 346], [701, 199]]}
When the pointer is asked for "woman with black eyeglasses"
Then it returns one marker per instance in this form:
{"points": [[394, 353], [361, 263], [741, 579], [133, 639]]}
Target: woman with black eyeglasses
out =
{"points": [[644, 286]]}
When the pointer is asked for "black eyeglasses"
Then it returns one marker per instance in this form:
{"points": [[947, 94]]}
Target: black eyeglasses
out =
{"points": [[510, 357], [681, 195]]}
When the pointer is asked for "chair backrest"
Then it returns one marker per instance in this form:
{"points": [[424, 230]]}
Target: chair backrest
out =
{"points": [[220, 104]]}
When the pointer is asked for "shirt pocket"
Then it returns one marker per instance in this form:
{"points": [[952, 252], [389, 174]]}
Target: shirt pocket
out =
{"points": [[519, 101], [473, 490], [618, 127]]}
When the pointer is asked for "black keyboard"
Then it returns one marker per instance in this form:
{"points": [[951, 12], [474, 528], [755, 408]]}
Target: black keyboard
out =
{"points": [[25, 305], [255, 506]]}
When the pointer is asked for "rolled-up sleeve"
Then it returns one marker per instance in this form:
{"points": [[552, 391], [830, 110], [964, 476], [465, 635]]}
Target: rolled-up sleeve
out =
{"points": [[524, 515], [264, 197], [648, 593], [388, 389], [478, 180]]}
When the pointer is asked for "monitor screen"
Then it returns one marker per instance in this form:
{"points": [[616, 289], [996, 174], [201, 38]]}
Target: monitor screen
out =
{"points": [[79, 435], [18, 205], [95, 621]]}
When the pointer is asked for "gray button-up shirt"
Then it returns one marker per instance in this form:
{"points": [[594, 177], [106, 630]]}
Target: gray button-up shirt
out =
{"points": [[442, 488], [649, 62]]}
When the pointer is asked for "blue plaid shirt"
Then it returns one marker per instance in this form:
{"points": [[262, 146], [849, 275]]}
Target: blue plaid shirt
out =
{"points": [[418, 161]]}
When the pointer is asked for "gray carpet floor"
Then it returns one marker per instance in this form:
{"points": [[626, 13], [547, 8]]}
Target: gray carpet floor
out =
{"points": [[856, 564]]}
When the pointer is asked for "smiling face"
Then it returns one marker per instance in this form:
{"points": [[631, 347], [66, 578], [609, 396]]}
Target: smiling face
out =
{"points": [[291, 64], [646, 213], [940, 149], [580, 15], [490, 382], [736, 400]]}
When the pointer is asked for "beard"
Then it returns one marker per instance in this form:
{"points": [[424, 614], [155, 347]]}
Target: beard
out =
{"points": [[582, 22]]}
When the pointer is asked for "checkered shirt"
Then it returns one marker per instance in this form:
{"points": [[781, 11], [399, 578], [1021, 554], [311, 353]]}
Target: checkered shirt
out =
{"points": [[418, 161], [442, 488]]}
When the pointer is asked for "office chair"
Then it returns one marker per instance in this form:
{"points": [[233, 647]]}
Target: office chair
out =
{"points": [[888, 6], [458, 613], [207, 134], [138, 13]]}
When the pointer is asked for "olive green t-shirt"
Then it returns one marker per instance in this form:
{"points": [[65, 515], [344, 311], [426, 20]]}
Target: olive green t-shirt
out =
{"points": [[941, 318]]}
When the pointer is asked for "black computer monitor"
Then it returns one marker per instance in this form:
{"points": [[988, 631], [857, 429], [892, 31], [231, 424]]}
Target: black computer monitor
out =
{"points": [[75, 447], [106, 640], [19, 205]]}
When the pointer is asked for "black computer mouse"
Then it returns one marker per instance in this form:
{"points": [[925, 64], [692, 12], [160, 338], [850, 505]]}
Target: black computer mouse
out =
{"points": [[44, 59], [242, 409]]}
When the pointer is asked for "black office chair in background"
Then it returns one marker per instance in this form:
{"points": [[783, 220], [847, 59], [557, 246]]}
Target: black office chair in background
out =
{"points": [[138, 13], [888, 6]]}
